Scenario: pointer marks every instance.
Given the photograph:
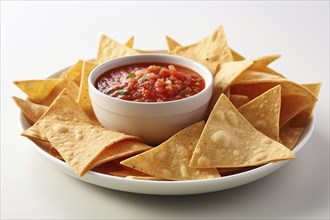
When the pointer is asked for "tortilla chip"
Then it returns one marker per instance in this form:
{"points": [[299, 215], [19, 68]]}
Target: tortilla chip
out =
{"points": [[75, 72], [64, 108], [223, 79], [79, 143], [83, 97], [210, 51], [229, 140], [170, 160], [238, 100], [63, 82], [263, 112], [292, 131], [114, 169], [290, 135], [110, 49], [171, 44], [130, 42], [303, 117], [52, 151], [252, 76], [294, 97], [36, 90], [121, 149], [30, 110], [263, 61], [234, 170], [236, 56], [229, 73]]}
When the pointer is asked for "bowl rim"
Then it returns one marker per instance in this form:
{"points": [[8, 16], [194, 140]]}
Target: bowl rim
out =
{"points": [[208, 80]]}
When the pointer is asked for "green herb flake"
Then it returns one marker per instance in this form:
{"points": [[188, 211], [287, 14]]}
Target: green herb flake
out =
{"points": [[122, 92], [144, 79], [131, 75]]}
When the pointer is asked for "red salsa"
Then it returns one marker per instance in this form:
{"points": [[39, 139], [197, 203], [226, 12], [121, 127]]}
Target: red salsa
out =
{"points": [[145, 82]]}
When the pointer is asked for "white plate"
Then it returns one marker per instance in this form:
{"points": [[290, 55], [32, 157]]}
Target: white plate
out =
{"points": [[168, 187]]}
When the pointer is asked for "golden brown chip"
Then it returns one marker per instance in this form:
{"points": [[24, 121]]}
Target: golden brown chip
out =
{"points": [[79, 144], [238, 100], [52, 151], [294, 98], [211, 51], [290, 135], [225, 77], [110, 49], [37, 90], [236, 56], [258, 67], [64, 108], [170, 160], [75, 72], [63, 82], [229, 140], [114, 169], [303, 117], [263, 61], [234, 72], [30, 110], [292, 131], [83, 98], [171, 44], [130, 42], [121, 149], [263, 112], [234, 170]]}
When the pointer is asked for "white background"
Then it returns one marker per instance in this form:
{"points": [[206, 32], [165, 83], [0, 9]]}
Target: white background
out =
{"points": [[39, 38]]}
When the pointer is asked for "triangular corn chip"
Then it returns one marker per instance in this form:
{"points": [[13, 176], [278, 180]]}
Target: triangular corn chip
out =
{"points": [[211, 51], [290, 135], [79, 143], [264, 61], [83, 98], [170, 160], [238, 100], [115, 169], [30, 110], [263, 112], [224, 78], [121, 149], [236, 56], [64, 108], [229, 140], [63, 82], [294, 98], [171, 44], [37, 90], [110, 49], [291, 132], [75, 72], [302, 118], [130, 42]]}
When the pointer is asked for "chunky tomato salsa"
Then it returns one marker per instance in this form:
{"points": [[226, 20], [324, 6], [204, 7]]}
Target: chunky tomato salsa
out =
{"points": [[146, 82]]}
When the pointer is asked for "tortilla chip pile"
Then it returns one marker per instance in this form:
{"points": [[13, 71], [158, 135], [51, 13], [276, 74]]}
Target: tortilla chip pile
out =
{"points": [[255, 116]]}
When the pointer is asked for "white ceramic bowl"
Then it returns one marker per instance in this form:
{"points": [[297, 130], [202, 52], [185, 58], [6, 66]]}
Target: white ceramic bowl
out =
{"points": [[154, 122]]}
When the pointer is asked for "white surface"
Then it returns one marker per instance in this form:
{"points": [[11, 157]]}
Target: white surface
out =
{"points": [[39, 38], [160, 120]]}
